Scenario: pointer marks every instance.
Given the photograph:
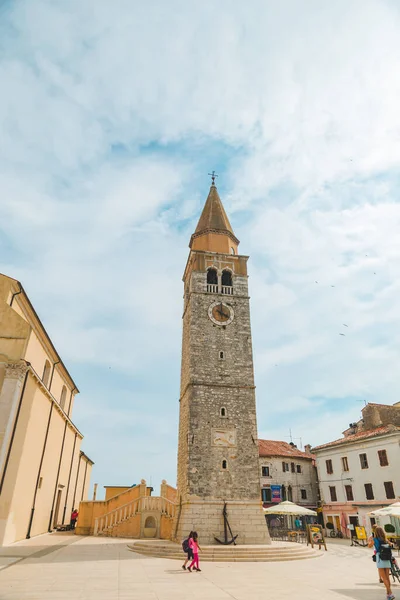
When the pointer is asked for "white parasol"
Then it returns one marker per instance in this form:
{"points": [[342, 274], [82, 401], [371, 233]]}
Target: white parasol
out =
{"points": [[289, 508], [388, 511]]}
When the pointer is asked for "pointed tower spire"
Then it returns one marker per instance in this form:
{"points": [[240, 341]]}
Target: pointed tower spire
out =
{"points": [[214, 231]]}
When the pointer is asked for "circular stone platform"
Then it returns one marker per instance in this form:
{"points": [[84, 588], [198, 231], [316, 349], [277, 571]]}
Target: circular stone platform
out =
{"points": [[277, 551]]}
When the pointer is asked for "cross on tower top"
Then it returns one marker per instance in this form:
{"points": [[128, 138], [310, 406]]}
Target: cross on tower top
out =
{"points": [[213, 176]]}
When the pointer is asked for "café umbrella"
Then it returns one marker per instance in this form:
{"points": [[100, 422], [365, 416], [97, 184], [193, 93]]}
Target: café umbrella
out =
{"points": [[290, 509], [388, 511]]}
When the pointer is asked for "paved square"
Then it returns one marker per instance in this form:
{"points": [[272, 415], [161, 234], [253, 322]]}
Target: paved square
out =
{"points": [[68, 567]]}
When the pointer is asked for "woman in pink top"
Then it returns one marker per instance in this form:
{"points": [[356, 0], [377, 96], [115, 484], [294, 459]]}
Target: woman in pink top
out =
{"points": [[195, 546]]}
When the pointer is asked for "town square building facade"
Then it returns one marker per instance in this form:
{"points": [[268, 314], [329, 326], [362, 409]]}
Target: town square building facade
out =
{"points": [[287, 473], [44, 474], [360, 472]]}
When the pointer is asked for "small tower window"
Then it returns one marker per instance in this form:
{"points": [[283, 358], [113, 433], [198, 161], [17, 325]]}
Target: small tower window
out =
{"points": [[224, 465], [226, 282], [233, 250], [212, 281], [223, 412], [222, 354]]}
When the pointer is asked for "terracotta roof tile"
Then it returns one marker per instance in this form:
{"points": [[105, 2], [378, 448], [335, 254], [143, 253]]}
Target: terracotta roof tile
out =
{"points": [[277, 448], [361, 435]]}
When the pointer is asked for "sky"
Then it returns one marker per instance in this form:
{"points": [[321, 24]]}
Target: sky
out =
{"points": [[112, 115]]}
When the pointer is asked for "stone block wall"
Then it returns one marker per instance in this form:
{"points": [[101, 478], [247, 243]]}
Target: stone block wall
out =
{"points": [[375, 415], [246, 520]]}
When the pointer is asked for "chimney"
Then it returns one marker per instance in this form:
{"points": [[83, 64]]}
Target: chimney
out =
{"points": [[307, 448]]}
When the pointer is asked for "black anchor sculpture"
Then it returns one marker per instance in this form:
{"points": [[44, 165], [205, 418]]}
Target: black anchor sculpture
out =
{"points": [[227, 541]]}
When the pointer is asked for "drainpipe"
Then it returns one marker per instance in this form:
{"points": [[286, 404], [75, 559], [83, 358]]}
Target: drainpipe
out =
{"points": [[52, 373], [16, 294], [58, 474], [28, 534], [69, 479], [14, 429]]}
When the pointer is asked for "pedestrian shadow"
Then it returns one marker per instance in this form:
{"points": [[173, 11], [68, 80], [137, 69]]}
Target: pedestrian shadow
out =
{"points": [[362, 594], [173, 572]]}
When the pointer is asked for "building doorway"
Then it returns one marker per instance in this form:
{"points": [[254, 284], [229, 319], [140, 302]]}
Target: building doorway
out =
{"points": [[354, 523], [57, 510], [372, 520]]}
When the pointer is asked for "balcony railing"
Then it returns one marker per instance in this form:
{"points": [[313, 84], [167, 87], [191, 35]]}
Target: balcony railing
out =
{"points": [[227, 289], [213, 288]]}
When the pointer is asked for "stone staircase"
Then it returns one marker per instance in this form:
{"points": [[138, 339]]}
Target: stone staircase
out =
{"points": [[109, 523], [277, 551]]}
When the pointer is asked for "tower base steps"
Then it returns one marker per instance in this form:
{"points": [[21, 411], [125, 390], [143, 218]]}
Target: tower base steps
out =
{"points": [[277, 551]]}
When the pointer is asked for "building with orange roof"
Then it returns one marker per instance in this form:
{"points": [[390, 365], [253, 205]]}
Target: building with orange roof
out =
{"points": [[360, 472], [287, 473]]}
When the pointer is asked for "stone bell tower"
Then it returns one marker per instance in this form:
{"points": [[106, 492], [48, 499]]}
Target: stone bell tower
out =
{"points": [[218, 449]]}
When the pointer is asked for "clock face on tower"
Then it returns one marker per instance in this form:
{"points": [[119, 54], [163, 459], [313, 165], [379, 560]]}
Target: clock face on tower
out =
{"points": [[220, 313]]}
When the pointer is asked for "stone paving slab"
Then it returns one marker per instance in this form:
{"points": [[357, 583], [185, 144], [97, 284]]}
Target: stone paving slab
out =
{"points": [[58, 567]]}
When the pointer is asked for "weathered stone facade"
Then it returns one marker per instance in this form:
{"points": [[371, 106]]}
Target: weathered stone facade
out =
{"points": [[218, 450]]}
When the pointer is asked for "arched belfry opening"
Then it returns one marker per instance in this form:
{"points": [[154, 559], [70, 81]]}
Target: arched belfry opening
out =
{"points": [[212, 280], [226, 282]]}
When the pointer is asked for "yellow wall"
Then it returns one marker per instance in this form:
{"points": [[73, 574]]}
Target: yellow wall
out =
{"points": [[14, 330], [168, 492], [166, 526], [35, 354], [19, 485], [214, 242], [16, 501], [112, 491], [82, 483], [19, 343], [89, 511]]}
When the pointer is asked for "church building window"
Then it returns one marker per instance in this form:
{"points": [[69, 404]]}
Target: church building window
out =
{"points": [[221, 354], [283, 492], [224, 464], [290, 494], [223, 412], [46, 373], [63, 397]]}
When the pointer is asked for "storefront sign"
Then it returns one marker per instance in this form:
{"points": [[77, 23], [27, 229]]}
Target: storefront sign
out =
{"points": [[315, 536], [361, 533], [276, 493]]}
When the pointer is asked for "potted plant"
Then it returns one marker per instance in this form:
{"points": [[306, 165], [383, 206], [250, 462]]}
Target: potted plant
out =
{"points": [[389, 528]]}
